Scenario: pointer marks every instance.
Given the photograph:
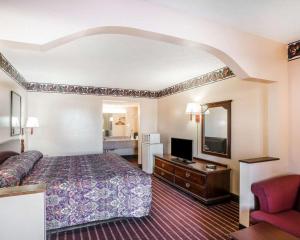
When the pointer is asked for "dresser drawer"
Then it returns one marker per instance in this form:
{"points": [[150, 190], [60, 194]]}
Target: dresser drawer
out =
{"points": [[162, 164], [190, 176], [164, 174], [194, 188]]}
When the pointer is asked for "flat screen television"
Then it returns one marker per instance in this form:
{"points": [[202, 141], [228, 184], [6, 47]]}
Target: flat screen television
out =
{"points": [[182, 148]]}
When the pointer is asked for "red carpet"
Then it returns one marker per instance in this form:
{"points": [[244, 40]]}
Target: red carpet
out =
{"points": [[174, 215]]}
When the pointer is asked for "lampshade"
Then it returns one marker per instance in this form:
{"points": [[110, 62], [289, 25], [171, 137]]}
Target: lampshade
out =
{"points": [[192, 108], [32, 122]]}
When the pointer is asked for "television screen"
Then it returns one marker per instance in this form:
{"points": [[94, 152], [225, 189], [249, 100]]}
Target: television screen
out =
{"points": [[182, 148]]}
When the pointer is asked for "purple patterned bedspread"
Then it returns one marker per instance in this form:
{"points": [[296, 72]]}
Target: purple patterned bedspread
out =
{"points": [[88, 188]]}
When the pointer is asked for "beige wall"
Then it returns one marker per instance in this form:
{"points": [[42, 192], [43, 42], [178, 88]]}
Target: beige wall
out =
{"points": [[133, 120], [72, 124], [69, 124], [249, 113], [294, 107], [6, 86]]}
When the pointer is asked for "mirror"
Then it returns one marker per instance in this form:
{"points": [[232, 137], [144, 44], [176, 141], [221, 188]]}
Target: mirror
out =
{"points": [[216, 129], [115, 125], [15, 114], [107, 124], [120, 122]]}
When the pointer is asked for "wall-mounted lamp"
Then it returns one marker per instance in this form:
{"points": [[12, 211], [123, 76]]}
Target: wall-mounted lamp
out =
{"points": [[32, 122], [196, 109], [192, 109]]}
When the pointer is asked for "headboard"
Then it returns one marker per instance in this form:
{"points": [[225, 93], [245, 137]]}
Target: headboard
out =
{"points": [[11, 145]]}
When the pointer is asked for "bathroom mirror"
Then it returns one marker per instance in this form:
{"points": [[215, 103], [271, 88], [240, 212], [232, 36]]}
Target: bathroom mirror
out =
{"points": [[120, 121], [216, 129], [115, 125]]}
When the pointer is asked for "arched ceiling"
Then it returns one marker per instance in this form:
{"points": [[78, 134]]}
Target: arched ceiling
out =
{"points": [[41, 21], [113, 60]]}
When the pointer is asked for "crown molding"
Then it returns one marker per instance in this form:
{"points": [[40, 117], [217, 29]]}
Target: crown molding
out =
{"points": [[208, 78], [294, 50]]}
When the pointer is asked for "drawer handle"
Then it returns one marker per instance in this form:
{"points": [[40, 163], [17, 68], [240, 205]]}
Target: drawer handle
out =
{"points": [[187, 174], [187, 185], [163, 165], [162, 173]]}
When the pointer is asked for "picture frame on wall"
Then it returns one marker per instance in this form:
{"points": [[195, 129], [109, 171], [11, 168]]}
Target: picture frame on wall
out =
{"points": [[15, 114]]}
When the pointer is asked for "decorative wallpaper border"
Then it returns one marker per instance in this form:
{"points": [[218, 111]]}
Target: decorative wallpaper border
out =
{"points": [[7, 67], [212, 77], [294, 50], [88, 90], [208, 78]]}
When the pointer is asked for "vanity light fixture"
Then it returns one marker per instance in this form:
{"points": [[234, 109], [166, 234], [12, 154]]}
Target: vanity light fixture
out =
{"points": [[107, 108]]}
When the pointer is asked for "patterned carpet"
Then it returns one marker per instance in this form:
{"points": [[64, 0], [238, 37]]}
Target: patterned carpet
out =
{"points": [[174, 215]]}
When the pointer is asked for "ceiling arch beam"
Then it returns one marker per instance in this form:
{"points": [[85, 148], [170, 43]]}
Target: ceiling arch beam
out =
{"points": [[130, 32]]}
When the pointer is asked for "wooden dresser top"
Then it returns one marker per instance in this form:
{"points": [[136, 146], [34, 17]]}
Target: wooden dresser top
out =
{"points": [[199, 165]]}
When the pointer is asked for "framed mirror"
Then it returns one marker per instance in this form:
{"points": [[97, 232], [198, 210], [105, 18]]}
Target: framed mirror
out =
{"points": [[216, 129], [15, 114]]}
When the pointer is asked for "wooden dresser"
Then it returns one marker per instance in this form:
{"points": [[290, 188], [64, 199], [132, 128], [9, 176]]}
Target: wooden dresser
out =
{"points": [[209, 186]]}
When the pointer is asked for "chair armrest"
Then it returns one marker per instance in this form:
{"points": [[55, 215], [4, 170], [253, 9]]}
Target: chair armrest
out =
{"points": [[277, 194]]}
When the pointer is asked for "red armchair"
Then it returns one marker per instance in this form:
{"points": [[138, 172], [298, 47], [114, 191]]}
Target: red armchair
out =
{"points": [[278, 203]]}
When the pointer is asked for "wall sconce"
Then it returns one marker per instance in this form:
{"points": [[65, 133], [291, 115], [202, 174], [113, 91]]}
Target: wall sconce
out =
{"points": [[196, 109], [192, 109], [32, 122]]}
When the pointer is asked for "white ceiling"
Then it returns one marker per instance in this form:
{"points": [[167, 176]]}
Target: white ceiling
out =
{"points": [[41, 21], [111, 60], [273, 19], [125, 61]]}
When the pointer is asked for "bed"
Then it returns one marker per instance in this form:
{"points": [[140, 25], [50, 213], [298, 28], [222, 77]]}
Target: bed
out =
{"points": [[87, 188]]}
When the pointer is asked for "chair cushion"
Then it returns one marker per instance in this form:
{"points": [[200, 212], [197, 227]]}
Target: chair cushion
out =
{"points": [[277, 194], [6, 154], [288, 221]]}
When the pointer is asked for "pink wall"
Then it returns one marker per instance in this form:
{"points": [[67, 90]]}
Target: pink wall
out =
{"points": [[294, 97]]}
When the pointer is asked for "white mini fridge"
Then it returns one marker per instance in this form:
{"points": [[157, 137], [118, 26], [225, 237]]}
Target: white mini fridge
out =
{"points": [[149, 149]]}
